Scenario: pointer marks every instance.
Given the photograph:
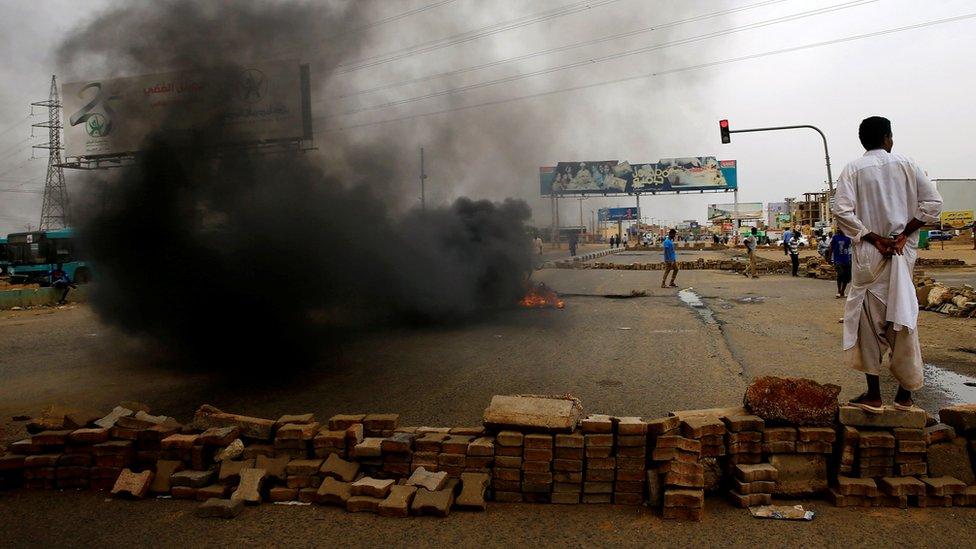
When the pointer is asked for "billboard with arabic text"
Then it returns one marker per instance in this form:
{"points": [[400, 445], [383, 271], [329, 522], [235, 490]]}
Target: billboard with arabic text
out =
{"points": [[609, 177], [253, 103]]}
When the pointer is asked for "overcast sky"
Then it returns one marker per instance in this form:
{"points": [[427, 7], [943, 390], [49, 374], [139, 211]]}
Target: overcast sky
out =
{"points": [[921, 79]]}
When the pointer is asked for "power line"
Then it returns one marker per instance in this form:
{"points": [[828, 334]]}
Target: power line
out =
{"points": [[613, 56], [378, 23], [664, 72], [469, 36], [13, 125], [560, 49]]}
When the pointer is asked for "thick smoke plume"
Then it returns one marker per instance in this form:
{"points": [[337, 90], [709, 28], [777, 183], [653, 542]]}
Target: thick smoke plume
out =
{"points": [[234, 259]]}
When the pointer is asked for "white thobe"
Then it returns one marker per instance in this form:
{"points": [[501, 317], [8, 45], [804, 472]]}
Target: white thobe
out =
{"points": [[881, 193]]}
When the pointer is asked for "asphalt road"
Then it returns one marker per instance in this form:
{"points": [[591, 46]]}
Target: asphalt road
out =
{"points": [[638, 356]]}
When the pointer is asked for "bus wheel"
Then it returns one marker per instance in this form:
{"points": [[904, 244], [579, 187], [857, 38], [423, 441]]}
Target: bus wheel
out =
{"points": [[83, 276]]}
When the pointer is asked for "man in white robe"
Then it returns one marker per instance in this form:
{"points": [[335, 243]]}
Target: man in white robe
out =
{"points": [[882, 200]]}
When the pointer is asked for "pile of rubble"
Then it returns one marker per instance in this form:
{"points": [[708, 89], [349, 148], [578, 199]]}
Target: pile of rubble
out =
{"points": [[791, 439], [737, 265], [952, 301]]}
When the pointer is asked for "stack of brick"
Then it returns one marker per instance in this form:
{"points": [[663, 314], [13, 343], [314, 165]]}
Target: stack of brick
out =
{"points": [[537, 461], [875, 454], [744, 439], [657, 428], [304, 477], [710, 431], [910, 452], [631, 461], [351, 425], [397, 450], [380, 425], [294, 435], [453, 456], [427, 446], [568, 468], [753, 484], [677, 458], [506, 475], [599, 464], [481, 454], [369, 454]]}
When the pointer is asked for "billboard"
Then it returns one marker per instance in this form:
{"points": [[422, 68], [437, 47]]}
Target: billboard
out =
{"points": [[700, 173], [777, 215], [724, 212], [685, 174], [259, 102], [959, 219], [957, 194], [618, 214]]}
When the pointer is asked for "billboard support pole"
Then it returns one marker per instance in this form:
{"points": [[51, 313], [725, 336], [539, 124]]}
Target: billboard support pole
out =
{"points": [[638, 215], [555, 240], [552, 220], [735, 214], [583, 225], [830, 178]]}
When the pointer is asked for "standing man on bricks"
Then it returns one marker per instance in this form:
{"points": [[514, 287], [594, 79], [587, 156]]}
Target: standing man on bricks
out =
{"points": [[883, 199]]}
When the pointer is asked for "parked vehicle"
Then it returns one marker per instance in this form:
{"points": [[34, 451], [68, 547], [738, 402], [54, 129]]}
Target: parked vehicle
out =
{"points": [[940, 235], [33, 256]]}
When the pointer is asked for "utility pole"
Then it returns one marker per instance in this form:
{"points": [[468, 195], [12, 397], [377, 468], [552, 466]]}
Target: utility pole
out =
{"points": [[54, 209], [423, 176], [582, 225]]}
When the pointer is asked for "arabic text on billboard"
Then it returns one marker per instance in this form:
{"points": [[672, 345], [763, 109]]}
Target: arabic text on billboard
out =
{"points": [[114, 116], [615, 177], [957, 219], [726, 212]]}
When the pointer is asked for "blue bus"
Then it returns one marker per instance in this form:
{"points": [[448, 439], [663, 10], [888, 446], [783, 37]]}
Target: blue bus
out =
{"points": [[4, 262], [32, 256]]}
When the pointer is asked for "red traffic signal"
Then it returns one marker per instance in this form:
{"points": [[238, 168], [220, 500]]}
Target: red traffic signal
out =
{"points": [[723, 126]]}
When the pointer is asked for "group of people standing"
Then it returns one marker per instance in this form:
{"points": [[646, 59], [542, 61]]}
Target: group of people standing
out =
{"points": [[615, 240]]}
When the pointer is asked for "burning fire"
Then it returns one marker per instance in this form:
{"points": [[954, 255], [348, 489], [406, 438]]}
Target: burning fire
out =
{"points": [[540, 296]]}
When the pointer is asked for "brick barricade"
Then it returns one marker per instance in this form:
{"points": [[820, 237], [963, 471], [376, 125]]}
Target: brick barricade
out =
{"points": [[370, 463]]}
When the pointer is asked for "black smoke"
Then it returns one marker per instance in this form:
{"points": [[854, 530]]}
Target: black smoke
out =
{"points": [[229, 259]]}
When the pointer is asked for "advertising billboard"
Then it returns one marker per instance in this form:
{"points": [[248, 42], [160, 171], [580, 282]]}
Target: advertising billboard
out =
{"points": [[700, 173], [959, 219], [618, 214], [259, 102], [685, 174], [724, 212], [777, 215]]}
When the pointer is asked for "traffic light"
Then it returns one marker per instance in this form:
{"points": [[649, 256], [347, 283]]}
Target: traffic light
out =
{"points": [[723, 126]]}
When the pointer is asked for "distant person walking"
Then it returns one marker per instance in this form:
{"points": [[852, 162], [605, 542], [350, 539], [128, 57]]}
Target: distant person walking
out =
{"points": [[839, 255], [883, 199], [626, 238], [751, 242], [538, 244], [573, 242], [670, 259], [793, 250], [613, 239]]}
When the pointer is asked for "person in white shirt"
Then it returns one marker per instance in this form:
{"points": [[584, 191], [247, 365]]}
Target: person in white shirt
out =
{"points": [[882, 201]]}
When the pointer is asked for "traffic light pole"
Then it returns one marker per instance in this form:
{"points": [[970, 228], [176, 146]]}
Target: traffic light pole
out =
{"points": [[830, 178]]}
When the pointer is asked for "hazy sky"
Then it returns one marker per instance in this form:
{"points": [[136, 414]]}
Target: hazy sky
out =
{"points": [[921, 79]]}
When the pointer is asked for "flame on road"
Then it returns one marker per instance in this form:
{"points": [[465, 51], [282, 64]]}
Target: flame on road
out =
{"points": [[541, 296]]}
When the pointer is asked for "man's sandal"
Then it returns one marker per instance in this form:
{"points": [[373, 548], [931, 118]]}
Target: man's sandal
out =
{"points": [[866, 407]]}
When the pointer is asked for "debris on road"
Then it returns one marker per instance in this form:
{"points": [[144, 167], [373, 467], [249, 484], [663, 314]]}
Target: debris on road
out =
{"points": [[532, 449]]}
